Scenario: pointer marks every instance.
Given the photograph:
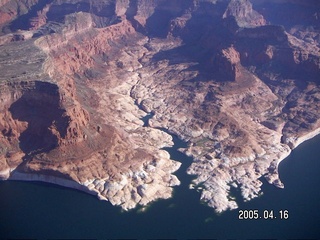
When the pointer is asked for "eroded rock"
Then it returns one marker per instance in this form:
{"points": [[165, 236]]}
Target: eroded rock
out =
{"points": [[76, 86]]}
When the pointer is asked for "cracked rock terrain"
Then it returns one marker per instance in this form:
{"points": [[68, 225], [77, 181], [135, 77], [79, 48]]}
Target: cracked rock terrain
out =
{"points": [[237, 80]]}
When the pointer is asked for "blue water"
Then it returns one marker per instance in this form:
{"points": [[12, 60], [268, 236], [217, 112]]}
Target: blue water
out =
{"points": [[45, 211]]}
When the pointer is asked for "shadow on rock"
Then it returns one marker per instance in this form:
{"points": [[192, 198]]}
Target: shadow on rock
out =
{"points": [[39, 107]]}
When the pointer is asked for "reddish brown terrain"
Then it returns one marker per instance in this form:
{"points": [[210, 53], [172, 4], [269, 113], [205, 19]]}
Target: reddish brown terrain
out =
{"points": [[238, 81]]}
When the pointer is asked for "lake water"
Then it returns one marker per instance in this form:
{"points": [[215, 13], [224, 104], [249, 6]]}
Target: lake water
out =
{"points": [[45, 211]]}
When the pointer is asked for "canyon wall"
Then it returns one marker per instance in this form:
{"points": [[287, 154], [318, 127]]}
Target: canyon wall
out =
{"points": [[79, 79]]}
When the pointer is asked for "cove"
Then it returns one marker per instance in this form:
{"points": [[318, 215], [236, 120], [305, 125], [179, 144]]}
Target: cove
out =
{"points": [[45, 211]]}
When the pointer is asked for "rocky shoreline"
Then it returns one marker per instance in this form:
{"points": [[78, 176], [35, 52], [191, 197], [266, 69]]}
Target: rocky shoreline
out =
{"points": [[91, 188], [116, 193], [297, 141], [37, 177], [77, 85]]}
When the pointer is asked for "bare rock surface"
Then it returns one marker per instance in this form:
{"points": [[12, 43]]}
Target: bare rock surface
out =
{"points": [[79, 77]]}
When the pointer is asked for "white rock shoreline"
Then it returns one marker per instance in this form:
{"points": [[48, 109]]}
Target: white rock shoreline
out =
{"points": [[135, 188], [37, 177], [305, 137], [298, 141]]}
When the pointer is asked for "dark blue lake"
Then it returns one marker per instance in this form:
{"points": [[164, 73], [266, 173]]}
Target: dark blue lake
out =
{"points": [[45, 211]]}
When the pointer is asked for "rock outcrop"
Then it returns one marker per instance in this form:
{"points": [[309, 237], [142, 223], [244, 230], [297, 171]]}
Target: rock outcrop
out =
{"points": [[244, 15], [79, 76]]}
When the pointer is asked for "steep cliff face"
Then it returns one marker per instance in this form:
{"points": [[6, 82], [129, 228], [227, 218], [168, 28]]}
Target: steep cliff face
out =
{"points": [[243, 13], [10, 11], [34, 121], [79, 78]]}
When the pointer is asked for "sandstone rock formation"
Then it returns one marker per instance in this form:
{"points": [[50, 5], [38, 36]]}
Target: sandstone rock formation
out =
{"points": [[79, 76]]}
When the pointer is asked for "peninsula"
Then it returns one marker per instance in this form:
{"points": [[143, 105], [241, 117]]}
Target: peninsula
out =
{"points": [[237, 80]]}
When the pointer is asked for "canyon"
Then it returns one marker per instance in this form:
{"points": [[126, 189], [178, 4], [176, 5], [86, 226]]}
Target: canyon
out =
{"points": [[237, 80]]}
